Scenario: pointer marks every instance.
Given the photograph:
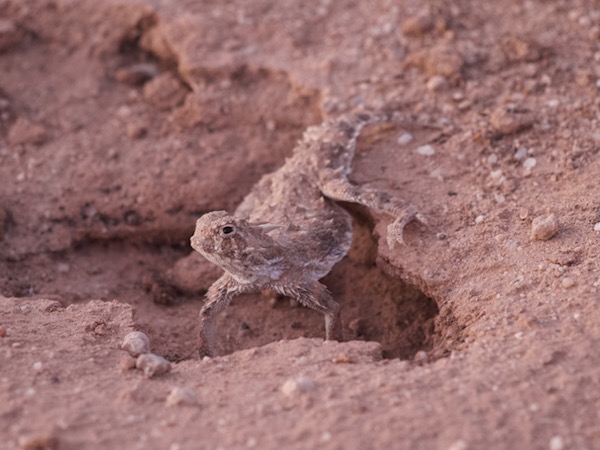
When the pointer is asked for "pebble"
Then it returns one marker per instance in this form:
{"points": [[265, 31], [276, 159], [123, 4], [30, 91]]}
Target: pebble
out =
{"points": [[10, 36], [152, 365], [506, 122], [181, 396], [458, 445], [597, 227], [523, 213], [164, 91], [326, 436], [137, 74], [136, 343], [426, 150], [23, 131], [38, 366], [465, 104], [126, 362], [556, 443], [38, 442], [437, 83], [529, 163], [479, 219], [544, 228], [567, 282], [421, 357], [405, 138], [298, 385], [418, 25], [136, 131], [342, 359], [520, 154], [443, 59], [271, 125]]}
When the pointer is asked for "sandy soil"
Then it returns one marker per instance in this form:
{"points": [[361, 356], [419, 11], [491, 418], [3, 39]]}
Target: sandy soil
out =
{"points": [[123, 121]]}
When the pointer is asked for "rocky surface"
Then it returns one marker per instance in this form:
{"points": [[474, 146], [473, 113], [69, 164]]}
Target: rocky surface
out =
{"points": [[122, 121]]}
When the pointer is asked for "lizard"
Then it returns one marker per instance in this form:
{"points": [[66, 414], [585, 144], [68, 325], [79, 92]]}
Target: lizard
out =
{"points": [[289, 232]]}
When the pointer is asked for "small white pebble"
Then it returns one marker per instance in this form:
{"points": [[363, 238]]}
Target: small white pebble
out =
{"points": [[479, 219], [426, 150], [181, 396], [496, 174], [297, 385], [553, 103], [534, 407], [152, 365], [556, 443], [38, 366], [529, 163], [519, 335], [492, 159], [499, 198], [567, 282], [597, 227], [326, 436], [251, 442], [405, 138], [421, 357], [124, 111], [271, 125], [458, 445], [520, 154], [437, 83], [544, 228], [136, 343]]}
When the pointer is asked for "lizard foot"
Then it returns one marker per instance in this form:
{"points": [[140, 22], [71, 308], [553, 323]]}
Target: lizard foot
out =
{"points": [[395, 230]]}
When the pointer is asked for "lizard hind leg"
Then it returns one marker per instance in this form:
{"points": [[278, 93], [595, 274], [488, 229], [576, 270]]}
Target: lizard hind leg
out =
{"points": [[316, 296], [340, 189]]}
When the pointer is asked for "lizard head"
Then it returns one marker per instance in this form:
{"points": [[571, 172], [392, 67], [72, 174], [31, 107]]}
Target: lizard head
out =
{"points": [[243, 249]]}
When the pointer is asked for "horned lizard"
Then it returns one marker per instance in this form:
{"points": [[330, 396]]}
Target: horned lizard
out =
{"points": [[288, 232]]}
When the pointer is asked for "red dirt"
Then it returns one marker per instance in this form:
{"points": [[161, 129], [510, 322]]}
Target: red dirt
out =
{"points": [[123, 121]]}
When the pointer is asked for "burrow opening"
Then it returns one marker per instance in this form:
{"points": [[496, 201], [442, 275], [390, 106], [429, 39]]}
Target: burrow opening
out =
{"points": [[375, 306]]}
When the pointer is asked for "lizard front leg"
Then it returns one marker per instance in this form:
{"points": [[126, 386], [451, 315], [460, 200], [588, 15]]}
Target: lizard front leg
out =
{"points": [[316, 296], [218, 297]]}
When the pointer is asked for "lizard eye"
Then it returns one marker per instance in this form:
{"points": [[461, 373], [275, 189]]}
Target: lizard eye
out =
{"points": [[228, 230]]}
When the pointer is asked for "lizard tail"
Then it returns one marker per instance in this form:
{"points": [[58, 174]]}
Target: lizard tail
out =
{"points": [[356, 122]]}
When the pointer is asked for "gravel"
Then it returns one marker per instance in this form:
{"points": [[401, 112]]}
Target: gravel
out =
{"points": [[152, 365], [298, 385], [136, 343], [544, 228], [426, 150]]}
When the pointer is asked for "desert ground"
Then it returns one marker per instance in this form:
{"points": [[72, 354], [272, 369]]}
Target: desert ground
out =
{"points": [[123, 121]]}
